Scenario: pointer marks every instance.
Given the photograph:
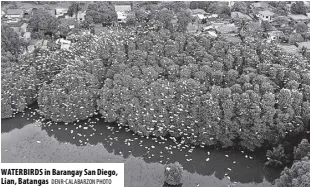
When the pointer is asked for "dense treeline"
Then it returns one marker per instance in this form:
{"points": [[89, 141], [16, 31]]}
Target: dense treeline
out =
{"points": [[203, 91], [208, 92]]}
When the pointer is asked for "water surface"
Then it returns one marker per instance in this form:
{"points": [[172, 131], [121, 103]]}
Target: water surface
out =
{"points": [[24, 139]]}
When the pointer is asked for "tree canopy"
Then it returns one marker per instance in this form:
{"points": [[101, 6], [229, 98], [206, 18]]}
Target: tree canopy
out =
{"points": [[298, 8], [41, 23], [10, 41], [296, 176], [101, 12], [74, 8]]}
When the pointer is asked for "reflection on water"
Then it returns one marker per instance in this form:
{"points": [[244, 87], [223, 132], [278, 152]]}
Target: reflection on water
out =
{"points": [[93, 140]]}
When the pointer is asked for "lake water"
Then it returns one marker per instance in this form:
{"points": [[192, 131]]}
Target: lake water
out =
{"points": [[24, 139]]}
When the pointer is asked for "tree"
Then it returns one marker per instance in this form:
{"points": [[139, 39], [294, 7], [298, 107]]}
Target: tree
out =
{"points": [[70, 97], [199, 4], [9, 40], [131, 20], [280, 7], [87, 23], [302, 149], [41, 22], [173, 173], [141, 15], [213, 7], [102, 12], [6, 105], [175, 6], [301, 28], [17, 91], [74, 9], [240, 7], [266, 26], [64, 29], [298, 8], [295, 38], [165, 16], [280, 20], [184, 18], [224, 10], [208, 91], [296, 176], [276, 157]]}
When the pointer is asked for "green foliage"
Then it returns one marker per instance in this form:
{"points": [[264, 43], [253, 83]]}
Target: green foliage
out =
{"points": [[296, 176], [157, 82], [101, 12], [74, 8], [295, 38], [207, 94], [298, 8], [225, 10], [141, 15], [69, 80], [240, 7], [47, 64], [131, 20], [266, 26], [64, 29], [165, 16], [87, 23], [70, 97], [17, 91], [10, 41], [199, 4], [302, 149], [6, 105], [184, 18], [175, 6], [301, 28], [41, 22], [173, 173], [276, 157]]}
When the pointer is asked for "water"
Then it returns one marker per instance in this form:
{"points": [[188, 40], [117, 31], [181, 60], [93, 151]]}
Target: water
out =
{"points": [[92, 141]]}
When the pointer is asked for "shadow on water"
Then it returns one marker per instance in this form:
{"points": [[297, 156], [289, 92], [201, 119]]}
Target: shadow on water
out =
{"points": [[121, 141], [19, 120], [167, 185]]}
